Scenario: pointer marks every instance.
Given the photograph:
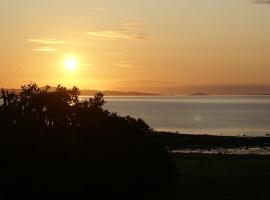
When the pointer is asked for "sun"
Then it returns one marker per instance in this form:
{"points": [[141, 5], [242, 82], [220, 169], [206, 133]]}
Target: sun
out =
{"points": [[71, 64]]}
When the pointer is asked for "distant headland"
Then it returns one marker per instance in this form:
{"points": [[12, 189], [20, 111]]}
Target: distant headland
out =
{"points": [[202, 90], [117, 93], [105, 92], [199, 94]]}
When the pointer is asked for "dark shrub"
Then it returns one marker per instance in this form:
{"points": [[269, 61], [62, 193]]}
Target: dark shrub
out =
{"points": [[53, 144]]}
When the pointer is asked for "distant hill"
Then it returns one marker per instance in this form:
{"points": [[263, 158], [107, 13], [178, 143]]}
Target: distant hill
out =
{"points": [[215, 90], [181, 90], [106, 92], [117, 93], [199, 94]]}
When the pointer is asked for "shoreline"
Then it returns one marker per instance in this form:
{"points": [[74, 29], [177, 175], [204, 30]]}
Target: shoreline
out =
{"points": [[252, 151], [210, 144]]}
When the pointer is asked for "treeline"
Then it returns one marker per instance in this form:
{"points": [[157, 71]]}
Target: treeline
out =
{"points": [[59, 108]]}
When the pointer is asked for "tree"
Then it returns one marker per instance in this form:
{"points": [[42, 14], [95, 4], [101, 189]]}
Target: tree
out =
{"points": [[61, 107], [59, 144], [97, 102]]}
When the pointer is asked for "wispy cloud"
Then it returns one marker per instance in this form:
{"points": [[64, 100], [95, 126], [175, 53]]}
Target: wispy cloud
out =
{"points": [[128, 31], [87, 64], [114, 35], [115, 53], [262, 1], [146, 81], [138, 37], [133, 26], [98, 9], [126, 65], [46, 41], [47, 45], [44, 49]]}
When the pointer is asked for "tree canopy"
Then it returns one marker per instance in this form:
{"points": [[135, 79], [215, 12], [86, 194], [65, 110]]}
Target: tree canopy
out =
{"points": [[58, 108]]}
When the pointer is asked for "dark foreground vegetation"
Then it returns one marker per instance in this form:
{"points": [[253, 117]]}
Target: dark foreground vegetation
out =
{"points": [[55, 146], [223, 177]]}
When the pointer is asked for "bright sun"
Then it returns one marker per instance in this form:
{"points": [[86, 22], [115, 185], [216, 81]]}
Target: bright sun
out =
{"points": [[71, 64]]}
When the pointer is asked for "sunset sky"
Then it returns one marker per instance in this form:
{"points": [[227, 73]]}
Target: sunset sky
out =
{"points": [[134, 45]]}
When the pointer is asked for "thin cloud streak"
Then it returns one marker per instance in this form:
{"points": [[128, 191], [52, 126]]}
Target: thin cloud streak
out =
{"points": [[126, 65], [87, 65], [47, 41], [98, 9], [262, 1], [114, 53], [115, 35], [134, 26], [148, 82], [128, 31], [44, 49]]}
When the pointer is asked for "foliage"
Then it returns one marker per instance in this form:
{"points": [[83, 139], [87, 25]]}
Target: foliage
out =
{"points": [[55, 144], [59, 108]]}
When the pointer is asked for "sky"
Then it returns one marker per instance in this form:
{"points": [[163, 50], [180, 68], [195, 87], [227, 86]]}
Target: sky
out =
{"points": [[142, 45]]}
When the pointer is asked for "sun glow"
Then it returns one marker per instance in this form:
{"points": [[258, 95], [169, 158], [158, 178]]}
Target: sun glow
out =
{"points": [[71, 64]]}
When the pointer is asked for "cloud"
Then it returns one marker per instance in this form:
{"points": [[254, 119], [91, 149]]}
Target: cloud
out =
{"points": [[87, 64], [133, 26], [128, 31], [147, 81], [46, 41], [115, 53], [138, 37], [98, 9], [46, 45], [45, 49], [262, 1], [114, 35], [126, 65]]}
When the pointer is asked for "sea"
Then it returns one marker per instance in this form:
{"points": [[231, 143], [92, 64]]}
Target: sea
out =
{"points": [[211, 115]]}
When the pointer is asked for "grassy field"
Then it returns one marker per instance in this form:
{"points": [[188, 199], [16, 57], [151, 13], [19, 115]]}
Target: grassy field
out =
{"points": [[223, 176]]}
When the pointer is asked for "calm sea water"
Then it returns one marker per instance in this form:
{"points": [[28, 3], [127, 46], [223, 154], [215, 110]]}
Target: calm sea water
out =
{"points": [[218, 115]]}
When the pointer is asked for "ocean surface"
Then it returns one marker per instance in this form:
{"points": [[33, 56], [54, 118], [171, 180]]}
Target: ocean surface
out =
{"points": [[216, 115]]}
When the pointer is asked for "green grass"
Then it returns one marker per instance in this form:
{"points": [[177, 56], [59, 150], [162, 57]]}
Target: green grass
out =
{"points": [[223, 176]]}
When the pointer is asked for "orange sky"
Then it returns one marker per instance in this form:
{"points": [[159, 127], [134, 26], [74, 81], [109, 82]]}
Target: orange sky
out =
{"points": [[134, 45]]}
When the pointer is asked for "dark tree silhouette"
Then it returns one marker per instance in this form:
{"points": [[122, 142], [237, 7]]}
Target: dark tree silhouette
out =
{"points": [[53, 143]]}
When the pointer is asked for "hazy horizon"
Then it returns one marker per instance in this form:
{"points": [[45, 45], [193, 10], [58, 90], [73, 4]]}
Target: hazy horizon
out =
{"points": [[185, 90]]}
